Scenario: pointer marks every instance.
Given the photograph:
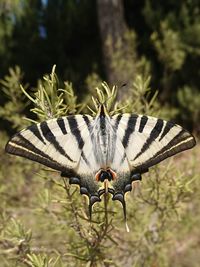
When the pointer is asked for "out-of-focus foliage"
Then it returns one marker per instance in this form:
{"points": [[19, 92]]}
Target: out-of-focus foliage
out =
{"points": [[174, 28], [44, 221], [191, 111], [37, 34], [169, 48], [162, 40], [15, 107], [10, 11]]}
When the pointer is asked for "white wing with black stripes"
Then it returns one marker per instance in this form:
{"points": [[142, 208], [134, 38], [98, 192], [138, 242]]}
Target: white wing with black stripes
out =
{"points": [[56, 143], [101, 154], [148, 140], [64, 144]]}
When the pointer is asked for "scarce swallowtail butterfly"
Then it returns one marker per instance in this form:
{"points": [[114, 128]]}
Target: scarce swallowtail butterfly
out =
{"points": [[102, 154]]}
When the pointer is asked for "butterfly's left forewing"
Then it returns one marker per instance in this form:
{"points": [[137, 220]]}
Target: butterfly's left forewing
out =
{"points": [[63, 144], [48, 143]]}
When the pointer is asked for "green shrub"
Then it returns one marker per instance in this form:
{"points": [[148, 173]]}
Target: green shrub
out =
{"points": [[44, 221]]}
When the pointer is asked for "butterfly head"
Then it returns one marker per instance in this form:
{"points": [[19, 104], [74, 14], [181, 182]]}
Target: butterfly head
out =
{"points": [[102, 110]]}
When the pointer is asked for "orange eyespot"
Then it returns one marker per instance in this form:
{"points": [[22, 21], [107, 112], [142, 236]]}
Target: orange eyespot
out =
{"points": [[114, 175], [97, 175], [107, 174]]}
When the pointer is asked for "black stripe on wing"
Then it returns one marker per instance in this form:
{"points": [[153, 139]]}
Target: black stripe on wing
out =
{"points": [[34, 129], [87, 121], [75, 131], [61, 124], [129, 129], [118, 119], [169, 125], [20, 146], [182, 141], [153, 135], [74, 127], [49, 136], [143, 122]]}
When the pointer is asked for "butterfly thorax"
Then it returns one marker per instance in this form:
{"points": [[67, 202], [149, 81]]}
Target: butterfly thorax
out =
{"points": [[102, 138]]}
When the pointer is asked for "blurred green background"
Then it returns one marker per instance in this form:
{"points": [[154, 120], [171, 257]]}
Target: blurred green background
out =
{"points": [[151, 51]]}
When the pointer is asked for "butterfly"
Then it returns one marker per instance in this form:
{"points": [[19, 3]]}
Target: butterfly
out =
{"points": [[102, 154]]}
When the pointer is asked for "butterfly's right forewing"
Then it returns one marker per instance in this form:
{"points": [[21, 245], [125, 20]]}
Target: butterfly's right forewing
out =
{"points": [[148, 140]]}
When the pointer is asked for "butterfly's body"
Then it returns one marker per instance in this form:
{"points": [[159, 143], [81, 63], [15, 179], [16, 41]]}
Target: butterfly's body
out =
{"points": [[103, 153], [101, 136]]}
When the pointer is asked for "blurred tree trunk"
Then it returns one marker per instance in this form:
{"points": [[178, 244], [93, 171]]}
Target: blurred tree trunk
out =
{"points": [[118, 43], [112, 27]]}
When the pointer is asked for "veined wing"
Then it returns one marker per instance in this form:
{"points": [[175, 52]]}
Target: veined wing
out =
{"points": [[56, 143], [141, 142], [63, 144], [148, 140]]}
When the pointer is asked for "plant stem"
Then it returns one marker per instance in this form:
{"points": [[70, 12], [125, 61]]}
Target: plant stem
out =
{"points": [[106, 209]]}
